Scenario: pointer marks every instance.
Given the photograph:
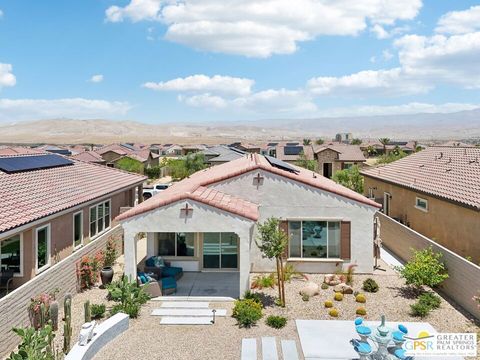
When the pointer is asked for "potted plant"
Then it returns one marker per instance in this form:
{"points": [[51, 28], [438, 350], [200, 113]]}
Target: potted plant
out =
{"points": [[106, 274]]}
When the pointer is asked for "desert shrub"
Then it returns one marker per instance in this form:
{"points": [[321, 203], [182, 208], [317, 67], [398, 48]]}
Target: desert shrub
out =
{"points": [[420, 309], [247, 312], [97, 310], [276, 322], [328, 303], [305, 297], [430, 299], [360, 298], [129, 296], [425, 268], [370, 285], [263, 281], [333, 312], [338, 296], [361, 311], [153, 172], [35, 344], [253, 296], [289, 273], [325, 286], [349, 274]]}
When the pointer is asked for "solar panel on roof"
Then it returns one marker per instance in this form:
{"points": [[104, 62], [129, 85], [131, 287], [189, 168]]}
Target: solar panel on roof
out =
{"points": [[292, 143], [280, 164], [292, 150], [272, 144], [26, 163]]}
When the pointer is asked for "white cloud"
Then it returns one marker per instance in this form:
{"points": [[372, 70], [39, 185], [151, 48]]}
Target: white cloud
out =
{"points": [[96, 78], [381, 33], [204, 101], [6, 76], [260, 29], [460, 22], [202, 83], [79, 108], [387, 55]]}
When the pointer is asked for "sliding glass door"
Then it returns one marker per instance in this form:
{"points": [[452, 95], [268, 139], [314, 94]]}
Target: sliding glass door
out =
{"points": [[220, 251]]}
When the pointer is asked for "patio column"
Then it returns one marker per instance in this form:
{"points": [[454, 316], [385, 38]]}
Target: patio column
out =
{"points": [[140, 193], [244, 261], [151, 245], [130, 246]]}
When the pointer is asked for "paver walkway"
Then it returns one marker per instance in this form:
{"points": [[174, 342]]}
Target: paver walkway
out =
{"points": [[269, 349]]}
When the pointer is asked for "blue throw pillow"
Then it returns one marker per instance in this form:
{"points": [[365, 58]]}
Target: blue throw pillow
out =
{"points": [[143, 279], [150, 261]]}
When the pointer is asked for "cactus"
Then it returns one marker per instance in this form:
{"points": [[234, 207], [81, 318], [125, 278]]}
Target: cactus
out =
{"points": [[53, 314], [338, 296], [333, 312], [67, 327], [360, 298], [328, 304], [43, 316], [361, 311], [325, 286], [88, 313]]}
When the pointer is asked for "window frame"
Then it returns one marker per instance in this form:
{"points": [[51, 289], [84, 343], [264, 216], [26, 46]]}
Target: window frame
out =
{"points": [[49, 248], [327, 221], [105, 229], [20, 273], [82, 237], [195, 242], [424, 209]]}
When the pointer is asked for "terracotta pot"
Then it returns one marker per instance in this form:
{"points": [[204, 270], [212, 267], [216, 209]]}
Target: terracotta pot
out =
{"points": [[106, 274]]}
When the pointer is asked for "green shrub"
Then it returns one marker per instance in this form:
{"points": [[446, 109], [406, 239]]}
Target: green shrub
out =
{"points": [[264, 281], [325, 286], [276, 322], [425, 268], [153, 172], [129, 296], [253, 296], [36, 344], [420, 309], [370, 285], [97, 310], [305, 297], [247, 312], [430, 299]]}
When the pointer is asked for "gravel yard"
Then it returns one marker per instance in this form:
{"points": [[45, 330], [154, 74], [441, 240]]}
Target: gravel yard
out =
{"points": [[146, 338]]}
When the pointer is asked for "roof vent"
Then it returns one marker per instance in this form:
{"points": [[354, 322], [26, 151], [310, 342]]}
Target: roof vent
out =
{"points": [[441, 155], [423, 165], [449, 161], [449, 169]]}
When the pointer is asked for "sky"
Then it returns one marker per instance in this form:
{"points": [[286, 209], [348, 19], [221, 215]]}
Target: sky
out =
{"points": [[166, 61]]}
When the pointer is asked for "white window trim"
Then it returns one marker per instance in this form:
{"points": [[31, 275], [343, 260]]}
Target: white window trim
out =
{"points": [[49, 241], [301, 239], [105, 229], [19, 274], [419, 207], [76, 247]]}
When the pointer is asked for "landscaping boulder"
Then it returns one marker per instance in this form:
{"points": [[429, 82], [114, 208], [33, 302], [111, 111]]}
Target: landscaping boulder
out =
{"points": [[332, 279], [310, 289], [343, 288]]}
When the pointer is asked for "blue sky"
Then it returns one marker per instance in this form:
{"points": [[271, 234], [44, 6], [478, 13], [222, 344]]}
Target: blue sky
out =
{"points": [[198, 60]]}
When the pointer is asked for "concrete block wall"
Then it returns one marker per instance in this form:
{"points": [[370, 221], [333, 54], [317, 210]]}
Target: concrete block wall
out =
{"points": [[13, 307], [464, 276]]}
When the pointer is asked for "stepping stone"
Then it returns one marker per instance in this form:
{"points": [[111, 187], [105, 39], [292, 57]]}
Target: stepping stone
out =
{"points": [[269, 348], [188, 312], [180, 320], [249, 349], [289, 350], [185, 304]]}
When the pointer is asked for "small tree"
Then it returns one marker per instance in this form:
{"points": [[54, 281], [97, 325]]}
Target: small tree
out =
{"points": [[272, 242], [307, 142], [304, 162], [356, 141], [319, 141], [350, 178], [425, 268]]}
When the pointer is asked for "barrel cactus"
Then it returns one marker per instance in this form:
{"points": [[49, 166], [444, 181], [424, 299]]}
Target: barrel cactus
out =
{"points": [[328, 304], [360, 298], [333, 312], [338, 296], [361, 311]]}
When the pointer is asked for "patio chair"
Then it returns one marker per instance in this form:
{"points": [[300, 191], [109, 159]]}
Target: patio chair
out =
{"points": [[162, 271], [6, 278]]}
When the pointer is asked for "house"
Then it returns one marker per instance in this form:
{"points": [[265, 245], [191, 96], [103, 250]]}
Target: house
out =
{"points": [[54, 149], [208, 221], [436, 192], [221, 154], [375, 147], [345, 138], [291, 152], [52, 205], [113, 152], [191, 149], [145, 158], [18, 150], [170, 150], [90, 157], [332, 157], [247, 147], [456, 143]]}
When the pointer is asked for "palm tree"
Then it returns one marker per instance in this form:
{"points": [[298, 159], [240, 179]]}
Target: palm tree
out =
{"points": [[319, 141], [384, 142], [307, 142]]}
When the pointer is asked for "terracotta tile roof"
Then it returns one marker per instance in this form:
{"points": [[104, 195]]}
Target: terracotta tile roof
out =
{"points": [[19, 150], [31, 195], [451, 173], [88, 156], [345, 152], [192, 187], [116, 148]]}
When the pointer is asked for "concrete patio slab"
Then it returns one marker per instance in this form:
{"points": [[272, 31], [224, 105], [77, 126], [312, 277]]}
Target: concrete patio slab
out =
{"points": [[194, 298], [289, 350], [249, 349], [188, 312], [179, 320], [185, 304], [329, 339], [269, 348]]}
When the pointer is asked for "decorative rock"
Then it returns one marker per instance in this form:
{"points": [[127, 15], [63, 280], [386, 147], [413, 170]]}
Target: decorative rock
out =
{"points": [[310, 289], [343, 288], [332, 279]]}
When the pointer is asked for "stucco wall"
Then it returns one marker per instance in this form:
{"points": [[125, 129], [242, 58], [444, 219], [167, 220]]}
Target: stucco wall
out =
{"points": [[13, 307], [464, 276], [451, 225], [287, 199], [328, 156]]}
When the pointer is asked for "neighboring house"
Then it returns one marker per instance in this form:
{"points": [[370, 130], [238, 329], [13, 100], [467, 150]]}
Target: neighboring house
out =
{"points": [[247, 147], [19, 150], [208, 221], [345, 138], [90, 157], [171, 150], [435, 192], [113, 152], [191, 149], [220, 154], [292, 152], [145, 158], [332, 157], [54, 149], [51, 205], [379, 149], [454, 143]]}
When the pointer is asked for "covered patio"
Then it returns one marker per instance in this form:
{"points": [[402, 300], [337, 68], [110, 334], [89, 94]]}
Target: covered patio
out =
{"points": [[209, 284]]}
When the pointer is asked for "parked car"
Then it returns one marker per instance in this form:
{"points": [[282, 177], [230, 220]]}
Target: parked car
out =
{"points": [[149, 192]]}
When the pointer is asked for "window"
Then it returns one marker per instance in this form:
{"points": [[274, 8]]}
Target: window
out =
{"points": [[347, 166], [421, 204], [99, 218], [77, 229], [176, 244], [11, 252], [314, 239], [42, 246]]}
